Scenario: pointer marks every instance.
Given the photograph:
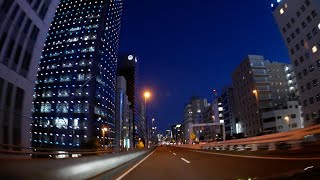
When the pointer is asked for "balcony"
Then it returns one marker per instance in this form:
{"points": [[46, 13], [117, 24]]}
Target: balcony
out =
{"points": [[261, 80]]}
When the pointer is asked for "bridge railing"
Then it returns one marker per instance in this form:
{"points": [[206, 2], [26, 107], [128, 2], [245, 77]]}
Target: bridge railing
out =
{"points": [[292, 139]]}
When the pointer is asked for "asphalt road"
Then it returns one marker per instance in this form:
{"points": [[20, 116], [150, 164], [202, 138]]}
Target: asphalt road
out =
{"points": [[168, 163]]}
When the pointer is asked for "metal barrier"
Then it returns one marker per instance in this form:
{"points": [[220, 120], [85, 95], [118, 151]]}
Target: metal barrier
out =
{"points": [[73, 168], [289, 140]]}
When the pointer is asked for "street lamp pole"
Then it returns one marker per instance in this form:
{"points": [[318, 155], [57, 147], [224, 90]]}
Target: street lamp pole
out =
{"points": [[146, 95]]}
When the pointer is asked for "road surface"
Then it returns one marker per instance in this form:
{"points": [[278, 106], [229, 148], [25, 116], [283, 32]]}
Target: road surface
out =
{"points": [[168, 163]]}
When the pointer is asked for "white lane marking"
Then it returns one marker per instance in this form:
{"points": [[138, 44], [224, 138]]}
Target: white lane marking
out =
{"points": [[183, 159], [174, 153], [127, 172], [257, 157]]}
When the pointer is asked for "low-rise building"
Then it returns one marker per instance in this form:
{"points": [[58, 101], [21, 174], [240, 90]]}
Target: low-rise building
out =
{"points": [[285, 118]]}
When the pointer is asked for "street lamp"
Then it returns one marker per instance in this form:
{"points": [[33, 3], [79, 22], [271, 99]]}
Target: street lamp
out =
{"points": [[103, 136], [146, 95]]}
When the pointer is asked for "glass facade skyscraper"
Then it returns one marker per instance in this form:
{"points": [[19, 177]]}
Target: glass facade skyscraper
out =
{"points": [[74, 97]]}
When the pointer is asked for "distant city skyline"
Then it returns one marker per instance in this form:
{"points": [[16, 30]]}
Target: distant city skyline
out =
{"points": [[219, 37]]}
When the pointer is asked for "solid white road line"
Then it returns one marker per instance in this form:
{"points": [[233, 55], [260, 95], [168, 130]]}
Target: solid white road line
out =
{"points": [[257, 157], [174, 153], [183, 159], [127, 172]]}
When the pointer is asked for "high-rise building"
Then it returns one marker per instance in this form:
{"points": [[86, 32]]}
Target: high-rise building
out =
{"points": [[193, 115], [128, 67], [259, 86], [228, 105], [299, 24], [24, 25], [74, 99], [122, 125], [218, 110]]}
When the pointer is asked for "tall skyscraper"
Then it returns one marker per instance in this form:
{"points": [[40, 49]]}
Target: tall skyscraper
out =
{"points": [[259, 86], [299, 23], [128, 68], [24, 25], [74, 99]]}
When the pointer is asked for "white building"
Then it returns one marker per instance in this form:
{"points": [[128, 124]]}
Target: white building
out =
{"points": [[299, 24], [285, 119], [122, 119], [24, 25]]}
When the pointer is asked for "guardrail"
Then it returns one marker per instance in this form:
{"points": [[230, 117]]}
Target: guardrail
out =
{"points": [[73, 168], [290, 139]]}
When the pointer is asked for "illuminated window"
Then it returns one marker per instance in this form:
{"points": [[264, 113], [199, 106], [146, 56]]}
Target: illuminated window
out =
{"points": [[281, 11], [62, 107], [77, 108], [45, 108], [63, 93], [64, 78], [61, 122], [76, 123], [47, 94], [314, 49], [81, 77]]}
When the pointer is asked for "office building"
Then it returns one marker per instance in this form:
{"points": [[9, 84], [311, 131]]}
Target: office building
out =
{"points": [[74, 99], [228, 113], [299, 24], [208, 114], [128, 67], [193, 115], [218, 110], [122, 125], [176, 133], [283, 119], [24, 25], [259, 86]]}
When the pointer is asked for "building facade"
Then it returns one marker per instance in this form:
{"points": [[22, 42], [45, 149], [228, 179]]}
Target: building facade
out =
{"points": [[299, 24], [228, 105], [286, 118], [122, 120], [24, 25], [74, 99], [193, 115], [259, 86], [128, 67]]}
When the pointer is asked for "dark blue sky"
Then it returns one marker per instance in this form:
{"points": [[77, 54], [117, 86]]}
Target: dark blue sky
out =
{"points": [[189, 47]]}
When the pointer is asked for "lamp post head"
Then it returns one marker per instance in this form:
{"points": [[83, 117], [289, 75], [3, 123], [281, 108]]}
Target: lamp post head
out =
{"points": [[147, 94]]}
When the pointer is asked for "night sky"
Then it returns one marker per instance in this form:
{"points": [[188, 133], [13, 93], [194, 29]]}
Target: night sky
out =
{"points": [[189, 47]]}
